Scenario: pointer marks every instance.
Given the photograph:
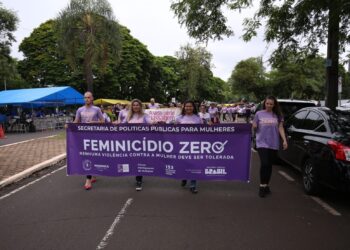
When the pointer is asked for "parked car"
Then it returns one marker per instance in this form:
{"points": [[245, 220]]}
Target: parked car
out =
{"points": [[319, 146], [289, 106]]}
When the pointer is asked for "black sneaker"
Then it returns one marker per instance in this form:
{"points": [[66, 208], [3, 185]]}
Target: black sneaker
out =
{"points": [[267, 190], [262, 192], [138, 186], [183, 183], [194, 190]]}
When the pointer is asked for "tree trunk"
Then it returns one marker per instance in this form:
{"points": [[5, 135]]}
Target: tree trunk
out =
{"points": [[332, 55], [88, 66], [88, 76]]}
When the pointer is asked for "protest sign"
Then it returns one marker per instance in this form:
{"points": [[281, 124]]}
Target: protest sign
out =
{"points": [[166, 115], [220, 152]]}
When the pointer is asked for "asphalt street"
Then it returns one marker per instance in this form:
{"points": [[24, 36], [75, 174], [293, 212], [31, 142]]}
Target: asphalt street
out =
{"points": [[55, 212], [20, 137]]}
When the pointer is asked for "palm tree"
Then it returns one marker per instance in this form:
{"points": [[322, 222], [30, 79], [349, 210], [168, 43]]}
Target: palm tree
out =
{"points": [[88, 35]]}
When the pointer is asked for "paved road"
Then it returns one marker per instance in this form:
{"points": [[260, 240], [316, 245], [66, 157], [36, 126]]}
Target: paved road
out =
{"points": [[56, 213], [18, 137]]}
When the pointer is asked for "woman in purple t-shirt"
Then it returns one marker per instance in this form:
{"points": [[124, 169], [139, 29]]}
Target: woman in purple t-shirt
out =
{"points": [[137, 115], [268, 124], [189, 115]]}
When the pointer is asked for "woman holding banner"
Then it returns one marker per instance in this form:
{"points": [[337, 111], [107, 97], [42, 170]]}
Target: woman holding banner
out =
{"points": [[189, 115], [136, 115], [268, 124]]}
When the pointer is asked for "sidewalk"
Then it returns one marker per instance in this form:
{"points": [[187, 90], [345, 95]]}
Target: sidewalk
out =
{"points": [[21, 159]]}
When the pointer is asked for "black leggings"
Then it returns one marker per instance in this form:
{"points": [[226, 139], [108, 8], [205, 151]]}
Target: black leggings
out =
{"points": [[267, 158]]}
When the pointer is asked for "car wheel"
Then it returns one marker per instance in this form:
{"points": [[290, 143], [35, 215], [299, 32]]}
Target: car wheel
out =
{"points": [[310, 177]]}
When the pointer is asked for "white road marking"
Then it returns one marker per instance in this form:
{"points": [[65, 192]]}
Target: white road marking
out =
{"points": [[31, 183], [327, 207], [27, 141], [116, 221], [285, 175]]}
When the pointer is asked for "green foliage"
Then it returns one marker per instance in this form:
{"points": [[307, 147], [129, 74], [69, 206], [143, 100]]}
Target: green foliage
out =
{"points": [[302, 79], [248, 79], [137, 74], [196, 75], [136, 70], [8, 24], [10, 77], [298, 26], [168, 74], [88, 35], [43, 65], [205, 19], [295, 78]]}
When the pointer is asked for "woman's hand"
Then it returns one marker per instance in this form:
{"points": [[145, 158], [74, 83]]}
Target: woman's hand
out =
{"points": [[285, 145]]}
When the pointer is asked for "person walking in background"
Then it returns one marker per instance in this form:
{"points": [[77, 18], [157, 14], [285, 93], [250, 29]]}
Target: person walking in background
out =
{"points": [[204, 115], [189, 115], [213, 110], [268, 124], [123, 114], [136, 115], [107, 119], [224, 112], [89, 114], [152, 104]]}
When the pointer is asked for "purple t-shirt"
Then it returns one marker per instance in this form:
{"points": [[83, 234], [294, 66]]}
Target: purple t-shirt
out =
{"points": [[136, 118], [153, 106], [123, 114], [212, 111], [267, 133], [89, 114], [188, 119]]}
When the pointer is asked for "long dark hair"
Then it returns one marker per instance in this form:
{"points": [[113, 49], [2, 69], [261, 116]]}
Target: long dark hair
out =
{"points": [[276, 107], [195, 111]]}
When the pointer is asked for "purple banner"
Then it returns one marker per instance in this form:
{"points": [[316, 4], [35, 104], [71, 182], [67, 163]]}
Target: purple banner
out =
{"points": [[201, 152]]}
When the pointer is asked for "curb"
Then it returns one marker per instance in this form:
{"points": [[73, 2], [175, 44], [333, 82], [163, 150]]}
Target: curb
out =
{"points": [[31, 170]]}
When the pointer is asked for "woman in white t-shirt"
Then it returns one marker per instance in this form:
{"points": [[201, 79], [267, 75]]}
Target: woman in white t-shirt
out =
{"points": [[137, 115], [189, 115], [204, 115]]}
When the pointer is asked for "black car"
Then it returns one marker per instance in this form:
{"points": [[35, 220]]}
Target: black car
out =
{"points": [[319, 146]]}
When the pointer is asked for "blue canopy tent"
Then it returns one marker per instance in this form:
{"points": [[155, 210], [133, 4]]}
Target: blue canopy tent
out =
{"points": [[39, 97]]}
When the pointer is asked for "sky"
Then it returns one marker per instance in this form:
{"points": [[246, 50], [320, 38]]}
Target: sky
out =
{"points": [[152, 23]]}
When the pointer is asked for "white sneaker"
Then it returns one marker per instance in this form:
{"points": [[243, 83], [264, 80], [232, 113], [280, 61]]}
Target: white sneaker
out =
{"points": [[138, 186]]}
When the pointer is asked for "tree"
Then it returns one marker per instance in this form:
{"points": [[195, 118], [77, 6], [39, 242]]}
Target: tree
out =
{"points": [[8, 24], [168, 73], [195, 71], [136, 70], [297, 25], [295, 78], [42, 64], [248, 79], [88, 34]]}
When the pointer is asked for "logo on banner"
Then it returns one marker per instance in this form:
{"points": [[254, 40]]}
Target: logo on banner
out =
{"points": [[101, 167], [87, 165], [123, 168], [210, 171], [170, 170]]}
